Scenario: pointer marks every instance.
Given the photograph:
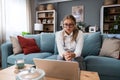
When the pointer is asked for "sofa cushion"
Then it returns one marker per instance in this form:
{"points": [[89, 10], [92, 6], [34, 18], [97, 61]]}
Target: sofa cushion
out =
{"points": [[55, 49], [15, 44], [109, 78], [28, 58], [92, 44], [28, 45], [47, 42], [110, 47], [105, 66], [12, 58], [54, 57]]}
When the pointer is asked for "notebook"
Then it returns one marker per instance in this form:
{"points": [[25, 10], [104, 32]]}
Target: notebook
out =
{"points": [[66, 70]]}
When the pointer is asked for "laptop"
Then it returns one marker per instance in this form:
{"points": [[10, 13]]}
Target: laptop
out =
{"points": [[66, 70]]}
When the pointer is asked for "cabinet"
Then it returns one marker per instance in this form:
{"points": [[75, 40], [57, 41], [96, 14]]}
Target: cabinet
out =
{"points": [[48, 19], [110, 19]]}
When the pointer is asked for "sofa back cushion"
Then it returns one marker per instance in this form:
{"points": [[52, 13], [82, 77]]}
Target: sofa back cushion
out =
{"points": [[55, 49], [92, 44], [47, 42]]}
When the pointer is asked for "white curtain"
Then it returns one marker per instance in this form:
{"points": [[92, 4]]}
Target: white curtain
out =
{"points": [[15, 18], [1, 21]]}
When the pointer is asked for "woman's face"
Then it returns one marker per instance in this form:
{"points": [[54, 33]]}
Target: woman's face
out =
{"points": [[68, 26]]}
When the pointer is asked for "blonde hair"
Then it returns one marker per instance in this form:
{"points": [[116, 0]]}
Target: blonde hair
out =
{"points": [[75, 31]]}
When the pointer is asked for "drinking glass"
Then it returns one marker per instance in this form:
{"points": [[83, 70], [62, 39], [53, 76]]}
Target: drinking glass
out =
{"points": [[19, 63]]}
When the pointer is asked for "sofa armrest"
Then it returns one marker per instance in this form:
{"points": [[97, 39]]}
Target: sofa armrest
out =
{"points": [[6, 50]]}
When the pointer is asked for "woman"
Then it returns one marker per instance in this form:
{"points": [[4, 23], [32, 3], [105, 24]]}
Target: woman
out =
{"points": [[69, 40]]}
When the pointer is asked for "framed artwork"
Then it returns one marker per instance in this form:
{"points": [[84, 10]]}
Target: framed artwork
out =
{"points": [[77, 12]]}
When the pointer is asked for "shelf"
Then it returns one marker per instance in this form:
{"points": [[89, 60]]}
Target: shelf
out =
{"points": [[115, 13], [108, 21], [48, 24], [48, 19], [109, 15], [38, 32]]}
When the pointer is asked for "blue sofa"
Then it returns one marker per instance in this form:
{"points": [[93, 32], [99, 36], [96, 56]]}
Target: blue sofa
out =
{"points": [[107, 68]]}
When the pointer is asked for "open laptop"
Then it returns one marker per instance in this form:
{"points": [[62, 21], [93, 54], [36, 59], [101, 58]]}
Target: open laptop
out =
{"points": [[66, 70]]}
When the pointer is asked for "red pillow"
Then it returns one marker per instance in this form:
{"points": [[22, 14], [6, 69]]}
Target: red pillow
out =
{"points": [[28, 45]]}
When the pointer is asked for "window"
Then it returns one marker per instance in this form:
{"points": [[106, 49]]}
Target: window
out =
{"points": [[15, 17]]}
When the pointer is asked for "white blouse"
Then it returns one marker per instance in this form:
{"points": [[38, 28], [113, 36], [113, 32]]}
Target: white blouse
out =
{"points": [[74, 46]]}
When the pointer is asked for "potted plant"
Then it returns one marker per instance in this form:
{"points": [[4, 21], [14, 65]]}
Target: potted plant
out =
{"points": [[83, 26], [25, 33], [115, 29]]}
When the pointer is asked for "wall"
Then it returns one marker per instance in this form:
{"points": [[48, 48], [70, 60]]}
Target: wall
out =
{"points": [[33, 13], [91, 10]]}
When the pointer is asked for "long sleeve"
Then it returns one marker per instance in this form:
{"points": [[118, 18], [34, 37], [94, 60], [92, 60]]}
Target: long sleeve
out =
{"points": [[59, 42], [75, 46], [79, 45]]}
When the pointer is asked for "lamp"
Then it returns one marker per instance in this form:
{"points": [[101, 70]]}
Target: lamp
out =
{"points": [[38, 27]]}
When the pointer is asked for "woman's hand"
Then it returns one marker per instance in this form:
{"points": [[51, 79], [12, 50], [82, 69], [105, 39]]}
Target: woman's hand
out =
{"points": [[69, 55]]}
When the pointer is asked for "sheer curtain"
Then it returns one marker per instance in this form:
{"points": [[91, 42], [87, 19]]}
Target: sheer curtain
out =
{"points": [[15, 18], [1, 21]]}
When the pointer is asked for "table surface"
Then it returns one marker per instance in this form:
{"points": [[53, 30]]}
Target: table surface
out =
{"points": [[10, 73]]}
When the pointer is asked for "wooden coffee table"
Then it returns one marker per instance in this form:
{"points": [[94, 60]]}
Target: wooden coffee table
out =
{"points": [[10, 73]]}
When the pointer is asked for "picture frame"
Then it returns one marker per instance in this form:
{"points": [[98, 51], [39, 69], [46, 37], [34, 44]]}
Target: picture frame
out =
{"points": [[92, 29], [78, 13]]}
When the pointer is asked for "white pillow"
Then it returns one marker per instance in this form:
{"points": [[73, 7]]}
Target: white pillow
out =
{"points": [[16, 46], [110, 47]]}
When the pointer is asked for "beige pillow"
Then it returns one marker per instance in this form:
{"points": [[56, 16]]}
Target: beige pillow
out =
{"points": [[16, 46], [110, 47]]}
